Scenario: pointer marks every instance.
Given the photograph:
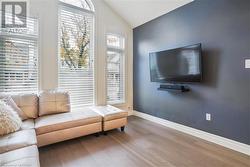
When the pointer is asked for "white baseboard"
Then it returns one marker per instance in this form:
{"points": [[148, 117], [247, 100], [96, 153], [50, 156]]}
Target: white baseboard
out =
{"points": [[228, 143]]}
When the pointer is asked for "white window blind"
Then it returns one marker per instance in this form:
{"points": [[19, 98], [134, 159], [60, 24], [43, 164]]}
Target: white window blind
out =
{"points": [[19, 58], [115, 69], [76, 72]]}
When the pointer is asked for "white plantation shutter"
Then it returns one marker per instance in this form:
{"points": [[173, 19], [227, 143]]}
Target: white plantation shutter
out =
{"points": [[19, 58], [76, 72], [115, 69]]}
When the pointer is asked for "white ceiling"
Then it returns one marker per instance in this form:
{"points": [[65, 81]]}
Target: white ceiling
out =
{"points": [[138, 12]]}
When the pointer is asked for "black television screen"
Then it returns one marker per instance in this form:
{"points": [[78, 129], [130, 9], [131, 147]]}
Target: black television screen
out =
{"points": [[176, 65]]}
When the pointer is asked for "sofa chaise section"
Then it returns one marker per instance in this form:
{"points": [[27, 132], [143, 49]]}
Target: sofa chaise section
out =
{"points": [[59, 127]]}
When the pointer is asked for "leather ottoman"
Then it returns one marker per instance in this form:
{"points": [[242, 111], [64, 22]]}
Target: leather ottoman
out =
{"points": [[112, 117]]}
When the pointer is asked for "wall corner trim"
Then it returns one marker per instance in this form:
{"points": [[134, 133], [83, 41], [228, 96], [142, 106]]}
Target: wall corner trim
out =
{"points": [[228, 143]]}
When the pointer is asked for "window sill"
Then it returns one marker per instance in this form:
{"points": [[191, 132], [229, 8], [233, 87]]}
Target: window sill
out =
{"points": [[118, 103]]}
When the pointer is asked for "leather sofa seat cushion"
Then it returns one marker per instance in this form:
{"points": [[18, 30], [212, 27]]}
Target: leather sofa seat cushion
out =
{"points": [[27, 156], [53, 102], [109, 112], [28, 103], [62, 121], [19, 139], [28, 124]]}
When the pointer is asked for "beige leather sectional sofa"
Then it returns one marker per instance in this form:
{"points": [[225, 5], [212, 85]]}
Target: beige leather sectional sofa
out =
{"points": [[43, 128]]}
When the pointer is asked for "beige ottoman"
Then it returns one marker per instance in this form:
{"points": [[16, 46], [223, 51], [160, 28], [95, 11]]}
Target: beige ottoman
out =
{"points": [[112, 117]]}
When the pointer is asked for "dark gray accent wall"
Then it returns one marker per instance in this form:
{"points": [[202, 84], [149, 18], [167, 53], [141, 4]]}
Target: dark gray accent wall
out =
{"points": [[223, 28]]}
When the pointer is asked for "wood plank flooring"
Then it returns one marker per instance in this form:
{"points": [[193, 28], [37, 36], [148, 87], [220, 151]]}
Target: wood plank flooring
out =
{"points": [[144, 144]]}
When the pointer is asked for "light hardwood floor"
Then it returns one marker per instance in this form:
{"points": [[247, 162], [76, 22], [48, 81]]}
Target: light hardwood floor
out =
{"points": [[144, 144]]}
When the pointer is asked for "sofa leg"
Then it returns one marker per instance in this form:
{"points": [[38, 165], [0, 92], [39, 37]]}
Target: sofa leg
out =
{"points": [[97, 134], [122, 128]]}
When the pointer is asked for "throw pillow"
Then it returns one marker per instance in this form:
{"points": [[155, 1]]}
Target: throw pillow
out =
{"points": [[9, 119], [9, 101]]}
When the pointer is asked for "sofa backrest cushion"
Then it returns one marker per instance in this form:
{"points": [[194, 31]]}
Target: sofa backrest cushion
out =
{"points": [[53, 102], [28, 103]]}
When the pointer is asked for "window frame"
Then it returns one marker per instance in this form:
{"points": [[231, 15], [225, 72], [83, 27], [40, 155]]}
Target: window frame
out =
{"points": [[60, 3], [35, 41], [123, 53], [90, 13]]}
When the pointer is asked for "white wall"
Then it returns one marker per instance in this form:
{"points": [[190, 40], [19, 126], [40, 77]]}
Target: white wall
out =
{"points": [[106, 21], [46, 12]]}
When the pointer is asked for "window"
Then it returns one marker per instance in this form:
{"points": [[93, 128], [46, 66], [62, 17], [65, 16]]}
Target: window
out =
{"points": [[19, 58], [76, 68], [83, 4], [115, 69]]}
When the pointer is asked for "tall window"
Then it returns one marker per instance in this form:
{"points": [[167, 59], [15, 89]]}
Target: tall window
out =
{"points": [[19, 58], [76, 68], [115, 69]]}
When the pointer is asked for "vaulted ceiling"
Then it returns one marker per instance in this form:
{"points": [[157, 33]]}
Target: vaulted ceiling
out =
{"points": [[138, 12]]}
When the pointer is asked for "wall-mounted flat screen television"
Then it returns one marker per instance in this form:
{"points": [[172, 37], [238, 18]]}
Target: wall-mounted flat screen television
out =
{"points": [[178, 65]]}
